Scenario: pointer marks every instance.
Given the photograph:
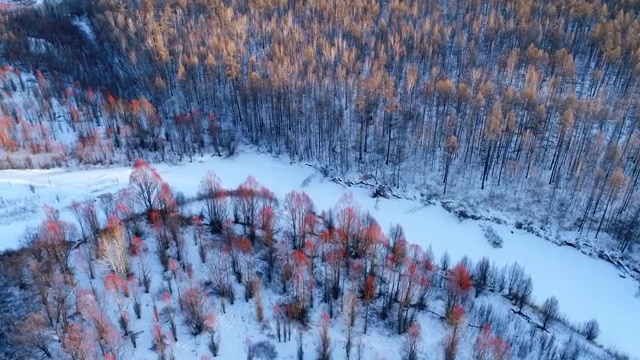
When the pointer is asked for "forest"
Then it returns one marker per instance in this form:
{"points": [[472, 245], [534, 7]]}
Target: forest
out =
{"points": [[157, 275], [526, 99]]}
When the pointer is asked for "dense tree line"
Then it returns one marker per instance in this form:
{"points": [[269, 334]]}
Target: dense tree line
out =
{"points": [[124, 264], [519, 96]]}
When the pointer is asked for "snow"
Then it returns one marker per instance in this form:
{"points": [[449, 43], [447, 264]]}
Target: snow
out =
{"points": [[39, 46], [585, 287], [82, 22]]}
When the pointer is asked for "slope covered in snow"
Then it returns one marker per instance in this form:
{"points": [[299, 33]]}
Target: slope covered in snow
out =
{"points": [[585, 287]]}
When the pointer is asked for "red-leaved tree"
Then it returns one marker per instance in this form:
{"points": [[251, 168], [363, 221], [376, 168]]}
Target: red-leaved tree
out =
{"points": [[412, 342], [452, 339], [297, 205], [244, 256], [196, 311], [370, 241], [54, 237], [301, 281], [349, 226], [120, 288], [160, 343], [108, 338], [368, 294], [407, 292], [333, 275], [250, 198], [394, 264], [116, 284], [78, 342], [458, 287], [324, 343], [165, 200], [489, 346]]}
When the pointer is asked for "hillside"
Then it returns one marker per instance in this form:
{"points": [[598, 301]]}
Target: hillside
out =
{"points": [[467, 123], [430, 232]]}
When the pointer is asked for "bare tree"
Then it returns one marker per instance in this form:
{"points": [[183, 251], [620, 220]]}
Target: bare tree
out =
{"points": [[480, 275], [351, 313], [257, 298], [213, 342], [324, 344], [215, 201], [523, 292], [53, 291], [220, 272], [107, 204], [35, 332], [145, 183], [591, 330], [300, 345], [549, 312], [145, 273]]}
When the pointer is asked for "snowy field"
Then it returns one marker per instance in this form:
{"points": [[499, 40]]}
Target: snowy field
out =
{"points": [[585, 287]]}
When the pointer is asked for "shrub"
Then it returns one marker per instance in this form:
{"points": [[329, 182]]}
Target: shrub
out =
{"points": [[297, 310], [262, 350], [572, 350], [214, 342], [492, 237], [591, 329]]}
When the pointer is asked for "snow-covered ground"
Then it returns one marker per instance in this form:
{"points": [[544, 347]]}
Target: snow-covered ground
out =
{"points": [[82, 22], [585, 287]]}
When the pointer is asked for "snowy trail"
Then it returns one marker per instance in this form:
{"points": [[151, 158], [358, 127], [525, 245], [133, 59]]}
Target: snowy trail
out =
{"points": [[585, 287]]}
